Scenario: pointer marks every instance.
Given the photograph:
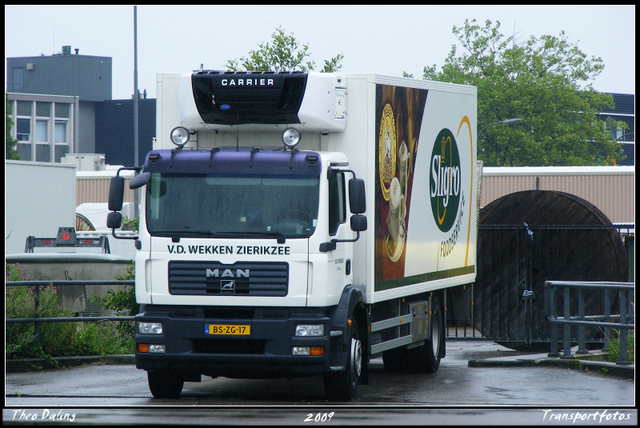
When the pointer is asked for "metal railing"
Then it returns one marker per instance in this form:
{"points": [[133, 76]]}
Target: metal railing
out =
{"points": [[38, 320], [556, 290]]}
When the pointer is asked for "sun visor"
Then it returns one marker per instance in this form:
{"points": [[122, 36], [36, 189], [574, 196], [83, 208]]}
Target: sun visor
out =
{"points": [[262, 101]]}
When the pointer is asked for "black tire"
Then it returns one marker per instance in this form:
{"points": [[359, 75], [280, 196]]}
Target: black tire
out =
{"points": [[163, 384], [434, 346], [395, 360], [343, 386], [426, 358]]}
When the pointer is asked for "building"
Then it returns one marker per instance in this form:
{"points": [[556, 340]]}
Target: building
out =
{"points": [[62, 105], [624, 111], [114, 130], [54, 99]]}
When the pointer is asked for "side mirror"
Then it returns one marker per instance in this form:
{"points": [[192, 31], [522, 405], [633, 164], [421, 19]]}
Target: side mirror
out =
{"points": [[116, 193], [357, 197], [358, 223], [116, 200], [114, 220]]}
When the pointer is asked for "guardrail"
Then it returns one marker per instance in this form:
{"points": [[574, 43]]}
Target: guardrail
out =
{"points": [[37, 320], [625, 320]]}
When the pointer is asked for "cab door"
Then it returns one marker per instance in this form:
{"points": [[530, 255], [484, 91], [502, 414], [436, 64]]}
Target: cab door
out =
{"points": [[339, 259]]}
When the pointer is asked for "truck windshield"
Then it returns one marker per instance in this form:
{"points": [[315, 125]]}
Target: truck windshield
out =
{"points": [[181, 205]]}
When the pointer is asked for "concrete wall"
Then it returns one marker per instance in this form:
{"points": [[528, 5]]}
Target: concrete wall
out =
{"points": [[39, 198], [78, 266], [610, 188]]}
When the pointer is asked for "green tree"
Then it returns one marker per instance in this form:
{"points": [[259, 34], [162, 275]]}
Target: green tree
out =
{"points": [[282, 54], [12, 153], [538, 81]]}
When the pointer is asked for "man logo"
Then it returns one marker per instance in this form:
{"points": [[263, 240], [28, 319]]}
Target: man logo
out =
{"points": [[445, 180], [226, 273], [227, 285]]}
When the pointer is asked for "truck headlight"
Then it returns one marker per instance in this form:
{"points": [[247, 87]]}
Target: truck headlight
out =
{"points": [[149, 327], [310, 330]]}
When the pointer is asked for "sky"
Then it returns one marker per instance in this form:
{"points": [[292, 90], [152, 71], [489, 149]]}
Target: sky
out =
{"points": [[381, 39]]}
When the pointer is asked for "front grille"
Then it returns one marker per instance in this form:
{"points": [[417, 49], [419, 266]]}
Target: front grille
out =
{"points": [[228, 346], [202, 278]]}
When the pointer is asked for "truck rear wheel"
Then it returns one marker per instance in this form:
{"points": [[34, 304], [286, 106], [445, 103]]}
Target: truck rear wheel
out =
{"points": [[343, 386], [164, 384], [426, 358], [395, 360]]}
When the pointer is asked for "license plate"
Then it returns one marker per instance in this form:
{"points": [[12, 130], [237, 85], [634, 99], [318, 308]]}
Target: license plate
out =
{"points": [[227, 329]]}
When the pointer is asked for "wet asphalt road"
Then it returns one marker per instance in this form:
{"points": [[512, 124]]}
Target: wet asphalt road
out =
{"points": [[456, 395]]}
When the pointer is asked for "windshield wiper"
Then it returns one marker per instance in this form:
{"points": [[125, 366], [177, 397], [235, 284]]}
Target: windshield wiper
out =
{"points": [[280, 236], [177, 234]]}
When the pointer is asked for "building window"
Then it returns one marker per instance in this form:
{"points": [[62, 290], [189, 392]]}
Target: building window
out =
{"points": [[62, 110], [25, 151], [43, 153], [61, 131], [23, 129], [42, 131], [23, 108], [43, 109], [60, 151]]}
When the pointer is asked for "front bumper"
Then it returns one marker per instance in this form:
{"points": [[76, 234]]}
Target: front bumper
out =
{"points": [[265, 353]]}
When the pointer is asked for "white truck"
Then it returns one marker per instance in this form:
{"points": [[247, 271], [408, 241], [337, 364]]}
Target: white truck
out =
{"points": [[298, 224]]}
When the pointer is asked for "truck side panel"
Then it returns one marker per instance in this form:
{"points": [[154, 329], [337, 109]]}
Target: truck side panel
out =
{"points": [[414, 144], [425, 206]]}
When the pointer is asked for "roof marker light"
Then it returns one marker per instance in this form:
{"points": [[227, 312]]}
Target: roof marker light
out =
{"points": [[180, 136], [291, 137]]}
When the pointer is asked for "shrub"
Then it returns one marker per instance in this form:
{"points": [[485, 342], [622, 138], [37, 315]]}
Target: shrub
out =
{"points": [[104, 338], [64, 338], [56, 339], [614, 348], [122, 302]]}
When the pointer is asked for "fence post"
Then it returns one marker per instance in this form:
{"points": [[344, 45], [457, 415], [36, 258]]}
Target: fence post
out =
{"points": [[567, 326], [36, 325], [623, 360], [549, 290], [582, 347], [607, 318]]}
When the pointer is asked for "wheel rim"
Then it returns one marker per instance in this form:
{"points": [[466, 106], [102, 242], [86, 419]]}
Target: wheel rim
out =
{"points": [[356, 358], [435, 336]]}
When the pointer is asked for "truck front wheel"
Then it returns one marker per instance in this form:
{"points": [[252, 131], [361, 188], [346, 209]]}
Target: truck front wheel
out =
{"points": [[343, 386], [164, 384]]}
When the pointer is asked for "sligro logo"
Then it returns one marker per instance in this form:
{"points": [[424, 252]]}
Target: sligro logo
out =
{"points": [[445, 180]]}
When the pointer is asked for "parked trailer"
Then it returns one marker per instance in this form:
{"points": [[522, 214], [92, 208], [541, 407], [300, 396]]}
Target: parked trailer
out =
{"points": [[302, 224]]}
